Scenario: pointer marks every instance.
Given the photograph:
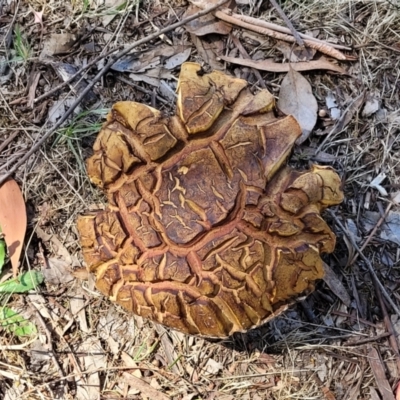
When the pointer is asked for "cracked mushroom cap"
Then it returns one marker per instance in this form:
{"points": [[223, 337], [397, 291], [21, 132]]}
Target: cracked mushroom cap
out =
{"points": [[207, 230]]}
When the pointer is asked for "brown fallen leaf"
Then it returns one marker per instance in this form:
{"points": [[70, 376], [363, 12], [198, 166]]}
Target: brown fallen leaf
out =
{"points": [[207, 23], [375, 363], [296, 98], [58, 43], [93, 358], [13, 220], [269, 65]]}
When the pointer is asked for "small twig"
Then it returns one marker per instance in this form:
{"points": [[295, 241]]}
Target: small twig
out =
{"points": [[287, 21], [282, 29], [360, 342], [369, 265], [110, 63], [323, 48], [8, 140], [372, 234]]}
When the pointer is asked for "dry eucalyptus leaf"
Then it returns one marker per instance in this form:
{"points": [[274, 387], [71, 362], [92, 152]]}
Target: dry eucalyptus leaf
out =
{"points": [[167, 91], [335, 284], [390, 229], [207, 23], [271, 66], [296, 98], [94, 359], [59, 271], [57, 43], [13, 220], [145, 78], [144, 387], [178, 59]]}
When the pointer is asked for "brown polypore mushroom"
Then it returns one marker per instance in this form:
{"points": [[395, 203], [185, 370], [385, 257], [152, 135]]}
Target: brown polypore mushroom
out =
{"points": [[207, 230]]}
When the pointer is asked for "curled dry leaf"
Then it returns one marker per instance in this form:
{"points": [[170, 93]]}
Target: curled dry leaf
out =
{"points": [[296, 98], [269, 65], [13, 220]]}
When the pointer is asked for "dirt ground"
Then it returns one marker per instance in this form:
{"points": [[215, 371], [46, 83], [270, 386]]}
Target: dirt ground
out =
{"points": [[89, 348]]}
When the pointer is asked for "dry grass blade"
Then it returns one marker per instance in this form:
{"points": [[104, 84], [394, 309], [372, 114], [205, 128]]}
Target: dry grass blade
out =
{"points": [[13, 220]]}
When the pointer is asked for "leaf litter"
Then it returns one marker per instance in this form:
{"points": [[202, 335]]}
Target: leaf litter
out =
{"points": [[361, 145], [296, 98]]}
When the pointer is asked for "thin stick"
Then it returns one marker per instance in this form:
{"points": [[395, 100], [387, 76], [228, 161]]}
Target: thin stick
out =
{"points": [[282, 29], [113, 58], [360, 342], [365, 259], [372, 234], [287, 21], [322, 47]]}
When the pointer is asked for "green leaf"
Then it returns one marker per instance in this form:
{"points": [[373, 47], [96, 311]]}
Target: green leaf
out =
{"points": [[23, 283], [3, 252], [16, 323]]}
